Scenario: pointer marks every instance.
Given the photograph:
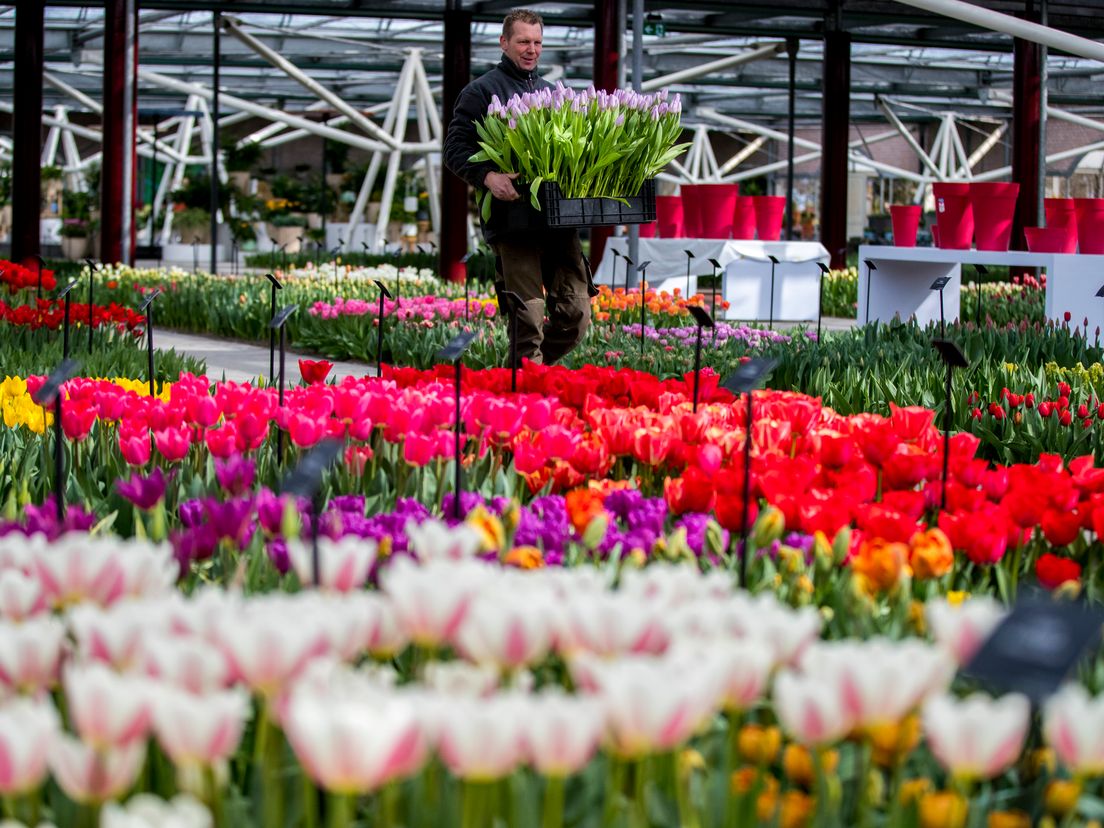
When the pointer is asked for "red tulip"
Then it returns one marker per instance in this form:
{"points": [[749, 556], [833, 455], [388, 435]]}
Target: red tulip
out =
{"points": [[693, 492], [314, 371], [1054, 570], [222, 442], [1061, 528]]}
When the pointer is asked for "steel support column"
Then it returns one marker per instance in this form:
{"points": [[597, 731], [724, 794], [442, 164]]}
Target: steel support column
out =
{"points": [[792, 44], [607, 59], [216, 47], [454, 190], [1027, 104], [27, 130], [835, 130], [117, 182]]}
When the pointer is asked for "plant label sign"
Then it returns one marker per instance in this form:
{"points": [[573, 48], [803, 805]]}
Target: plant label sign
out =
{"points": [[279, 319], [142, 308], [702, 317], [456, 348], [1037, 646], [748, 375], [950, 353], [306, 479], [940, 283], [383, 288]]}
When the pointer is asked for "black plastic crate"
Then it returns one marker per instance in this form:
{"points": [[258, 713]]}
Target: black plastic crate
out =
{"points": [[598, 212]]}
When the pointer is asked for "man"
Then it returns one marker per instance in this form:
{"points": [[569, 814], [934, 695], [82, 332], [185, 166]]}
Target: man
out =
{"points": [[542, 265]]}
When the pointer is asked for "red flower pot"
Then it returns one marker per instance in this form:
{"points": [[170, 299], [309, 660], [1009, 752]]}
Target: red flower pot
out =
{"points": [[1051, 239], [955, 216], [669, 217], [906, 221], [743, 218], [717, 203], [1061, 212], [768, 217], [1090, 224], [994, 205], [648, 231], [691, 210]]}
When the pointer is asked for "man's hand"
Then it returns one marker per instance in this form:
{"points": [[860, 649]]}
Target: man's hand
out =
{"points": [[501, 185]]}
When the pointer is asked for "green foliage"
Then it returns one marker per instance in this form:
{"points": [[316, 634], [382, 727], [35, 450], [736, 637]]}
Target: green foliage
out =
{"points": [[241, 158]]}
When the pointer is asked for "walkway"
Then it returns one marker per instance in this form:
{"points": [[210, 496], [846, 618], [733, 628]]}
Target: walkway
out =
{"points": [[241, 362], [228, 359]]}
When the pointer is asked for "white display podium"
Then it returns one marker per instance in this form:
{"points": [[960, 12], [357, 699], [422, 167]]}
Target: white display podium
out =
{"points": [[746, 273], [901, 284]]}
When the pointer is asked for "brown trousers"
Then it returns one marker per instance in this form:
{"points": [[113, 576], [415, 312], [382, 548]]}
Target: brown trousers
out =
{"points": [[548, 272]]}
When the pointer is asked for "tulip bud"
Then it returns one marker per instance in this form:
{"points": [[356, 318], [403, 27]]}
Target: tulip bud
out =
{"points": [[769, 527], [596, 531], [1061, 797], [24, 494], [290, 525], [1068, 590], [714, 537], [676, 547], [822, 553], [637, 559], [11, 511], [841, 546], [945, 809]]}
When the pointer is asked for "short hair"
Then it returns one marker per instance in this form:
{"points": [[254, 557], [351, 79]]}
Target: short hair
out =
{"points": [[520, 16]]}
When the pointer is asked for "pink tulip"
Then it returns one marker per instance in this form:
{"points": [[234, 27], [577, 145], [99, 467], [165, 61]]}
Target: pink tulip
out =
{"points": [[27, 729], [419, 449], [482, 740], [745, 671], [354, 743], [647, 712], [961, 628], [20, 595], [611, 624], [30, 654], [813, 714], [305, 430], [173, 443], [508, 625], [87, 774], [561, 733], [199, 729], [78, 568], [977, 737], [264, 650], [1073, 722], [107, 709], [431, 600], [135, 446], [343, 565], [184, 661], [113, 636]]}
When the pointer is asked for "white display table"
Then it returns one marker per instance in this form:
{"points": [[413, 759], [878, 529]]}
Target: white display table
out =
{"points": [[901, 285], [746, 275]]}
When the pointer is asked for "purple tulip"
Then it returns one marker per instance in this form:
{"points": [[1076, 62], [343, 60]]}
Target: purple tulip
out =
{"points": [[143, 492], [236, 475]]}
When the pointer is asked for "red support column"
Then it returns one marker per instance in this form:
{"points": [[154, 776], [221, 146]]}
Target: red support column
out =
{"points": [[118, 182], [454, 190], [835, 131], [27, 129], [607, 59], [1026, 123]]}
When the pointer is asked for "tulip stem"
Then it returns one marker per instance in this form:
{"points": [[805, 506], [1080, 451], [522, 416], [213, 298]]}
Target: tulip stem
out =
{"points": [[688, 817], [340, 810], [553, 803], [862, 803], [9, 807], [310, 803], [214, 794], [474, 808]]}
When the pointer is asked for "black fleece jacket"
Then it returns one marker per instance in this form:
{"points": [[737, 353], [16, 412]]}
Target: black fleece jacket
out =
{"points": [[462, 142]]}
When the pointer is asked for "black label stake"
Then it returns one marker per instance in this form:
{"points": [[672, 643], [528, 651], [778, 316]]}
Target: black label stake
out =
{"points": [[50, 392], [952, 357], [277, 323], [147, 308], [305, 480], [743, 381], [384, 293], [704, 320], [454, 352]]}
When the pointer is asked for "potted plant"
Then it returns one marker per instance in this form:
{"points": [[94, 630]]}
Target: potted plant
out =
{"points": [[239, 160], [193, 224], [74, 238], [337, 155], [585, 158], [287, 229]]}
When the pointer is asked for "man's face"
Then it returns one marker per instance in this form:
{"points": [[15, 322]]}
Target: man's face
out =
{"points": [[524, 45]]}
